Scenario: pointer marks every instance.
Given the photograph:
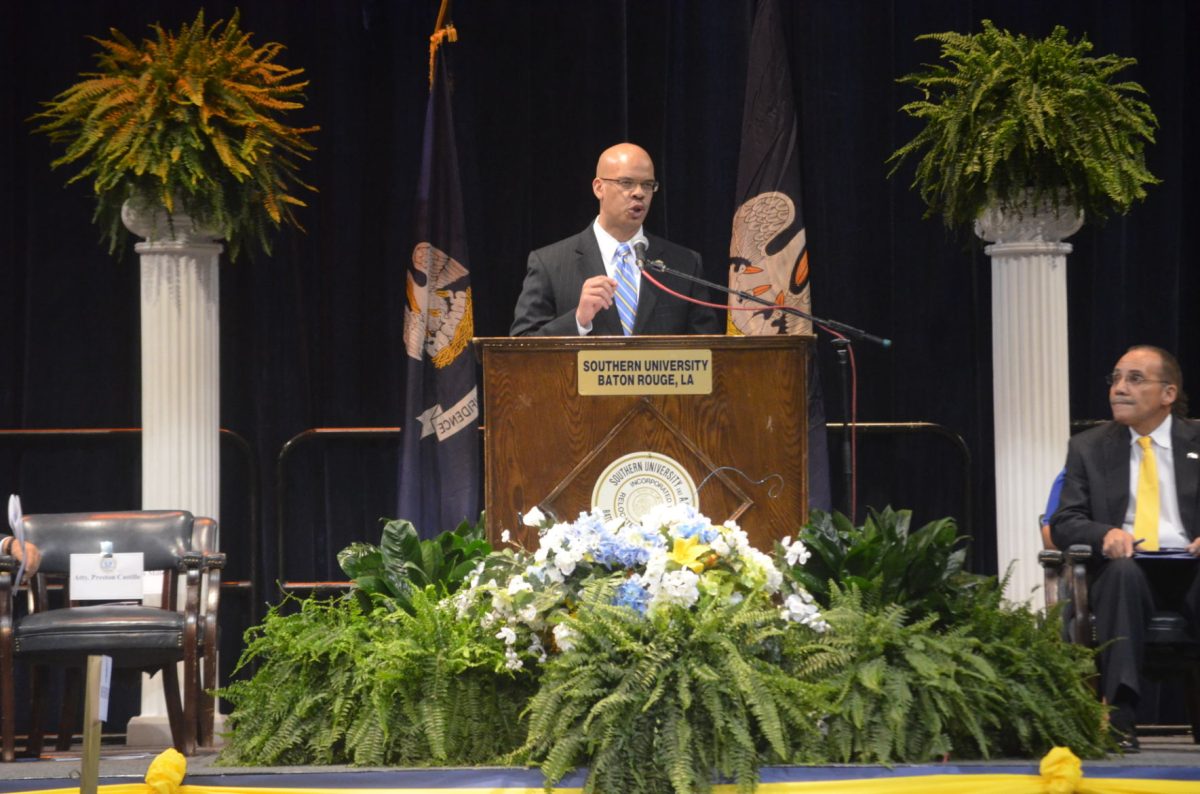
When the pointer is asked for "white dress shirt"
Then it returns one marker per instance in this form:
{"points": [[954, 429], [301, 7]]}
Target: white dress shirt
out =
{"points": [[608, 249]]}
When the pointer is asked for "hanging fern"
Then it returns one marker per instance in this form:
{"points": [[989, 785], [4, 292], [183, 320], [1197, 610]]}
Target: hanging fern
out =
{"points": [[193, 117], [1003, 114]]}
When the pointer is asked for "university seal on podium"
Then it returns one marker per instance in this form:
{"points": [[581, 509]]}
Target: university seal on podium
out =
{"points": [[633, 484]]}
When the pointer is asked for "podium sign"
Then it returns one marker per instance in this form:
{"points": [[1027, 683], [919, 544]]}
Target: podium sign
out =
{"points": [[624, 423]]}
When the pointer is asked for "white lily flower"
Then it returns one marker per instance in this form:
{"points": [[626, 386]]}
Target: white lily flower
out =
{"points": [[563, 637]]}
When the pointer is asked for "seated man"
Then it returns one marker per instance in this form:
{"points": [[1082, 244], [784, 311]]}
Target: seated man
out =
{"points": [[1133, 486]]}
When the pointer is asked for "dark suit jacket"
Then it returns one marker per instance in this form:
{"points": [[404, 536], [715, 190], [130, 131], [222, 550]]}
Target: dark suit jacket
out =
{"points": [[556, 274], [1095, 493]]}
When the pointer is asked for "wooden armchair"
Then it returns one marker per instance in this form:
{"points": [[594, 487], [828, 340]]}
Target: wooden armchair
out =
{"points": [[1170, 649]]}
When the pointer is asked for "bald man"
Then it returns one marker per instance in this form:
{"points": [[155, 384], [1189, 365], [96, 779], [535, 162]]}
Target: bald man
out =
{"points": [[571, 286]]}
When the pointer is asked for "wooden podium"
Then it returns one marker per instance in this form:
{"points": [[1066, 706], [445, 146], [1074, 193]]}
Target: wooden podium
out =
{"points": [[628, 421]]}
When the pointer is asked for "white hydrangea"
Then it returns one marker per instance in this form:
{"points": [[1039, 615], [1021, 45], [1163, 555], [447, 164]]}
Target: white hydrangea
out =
{"points": [[677, 588]]}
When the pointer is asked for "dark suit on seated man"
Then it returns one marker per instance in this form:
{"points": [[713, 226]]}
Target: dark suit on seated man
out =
{"points": [[576, 287], [1133, 487]]}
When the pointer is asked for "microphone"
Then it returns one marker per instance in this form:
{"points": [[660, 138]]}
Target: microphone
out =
{"points": [[659, 266], [639, 254]]}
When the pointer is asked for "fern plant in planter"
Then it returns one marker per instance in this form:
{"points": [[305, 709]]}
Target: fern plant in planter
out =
{"points": [[191, 122], [1014, 121]]}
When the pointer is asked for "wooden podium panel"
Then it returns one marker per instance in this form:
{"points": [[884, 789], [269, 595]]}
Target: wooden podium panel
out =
{"points": [[545, 444]]}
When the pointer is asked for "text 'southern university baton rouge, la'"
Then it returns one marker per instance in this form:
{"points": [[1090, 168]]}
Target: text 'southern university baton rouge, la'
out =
{"points": [[620, 372]]}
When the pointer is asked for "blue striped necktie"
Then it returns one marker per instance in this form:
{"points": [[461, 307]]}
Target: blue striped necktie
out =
{"points": [[626, 287]]}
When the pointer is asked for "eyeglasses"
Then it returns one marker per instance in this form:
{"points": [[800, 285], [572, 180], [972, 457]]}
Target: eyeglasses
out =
{"points": [[1134, 379], [627, 185]]}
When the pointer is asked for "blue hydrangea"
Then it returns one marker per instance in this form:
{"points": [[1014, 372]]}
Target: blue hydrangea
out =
{"points": [[632, 595], [690, 527], [632, 556], [613, 553]]}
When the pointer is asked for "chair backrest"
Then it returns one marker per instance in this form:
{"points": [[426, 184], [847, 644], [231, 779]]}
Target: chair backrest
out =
{"points": [[163, 536]]}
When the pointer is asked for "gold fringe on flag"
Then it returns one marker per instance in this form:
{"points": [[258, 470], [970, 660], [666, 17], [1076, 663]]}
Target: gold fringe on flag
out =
{"points": [[443, 31]]}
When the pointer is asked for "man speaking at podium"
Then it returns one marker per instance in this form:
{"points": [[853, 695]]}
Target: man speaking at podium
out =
{"points": [[590, 284]]}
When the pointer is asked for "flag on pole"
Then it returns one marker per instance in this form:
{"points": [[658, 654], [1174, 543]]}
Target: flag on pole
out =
{"points": [[768, 251], [439, 464]]}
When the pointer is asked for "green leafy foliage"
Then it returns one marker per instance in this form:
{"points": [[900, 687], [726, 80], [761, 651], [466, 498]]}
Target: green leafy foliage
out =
{"points": [[338, 685], [665, 704], [887, 562], [193, 117], [1003, 114], [402, 563], [1048, 698], [1001, 683], [900, 691]]}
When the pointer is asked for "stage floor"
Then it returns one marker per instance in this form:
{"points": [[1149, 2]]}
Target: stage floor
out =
{"points": [[1169, 757]]}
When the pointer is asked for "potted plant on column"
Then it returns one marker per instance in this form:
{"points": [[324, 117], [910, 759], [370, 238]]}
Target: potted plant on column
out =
{"points": [[189, 121], [1010, 120], [183, 139], [1022, 137]]}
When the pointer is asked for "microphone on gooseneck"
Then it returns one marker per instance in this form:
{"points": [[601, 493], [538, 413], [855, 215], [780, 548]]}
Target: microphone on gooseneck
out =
{"points": [[639, 254]]}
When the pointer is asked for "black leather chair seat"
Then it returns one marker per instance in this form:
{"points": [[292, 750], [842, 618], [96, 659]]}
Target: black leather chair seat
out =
{"points": [[1169, 628], [133, 635]]}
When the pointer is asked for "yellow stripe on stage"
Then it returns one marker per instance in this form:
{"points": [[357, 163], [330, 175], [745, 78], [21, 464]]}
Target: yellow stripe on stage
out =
{"points": [[921, 784]]}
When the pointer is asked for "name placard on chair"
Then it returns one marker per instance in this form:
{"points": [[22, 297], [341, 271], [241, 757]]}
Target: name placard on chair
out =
{"points": [[107, 577]]}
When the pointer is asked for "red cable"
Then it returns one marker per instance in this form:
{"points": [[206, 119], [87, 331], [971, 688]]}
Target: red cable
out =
{"points": [[853, 377]]}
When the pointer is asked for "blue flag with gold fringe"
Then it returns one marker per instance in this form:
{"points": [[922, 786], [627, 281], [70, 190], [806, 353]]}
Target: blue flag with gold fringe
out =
{"points": [[439, 464], [768, 250]]}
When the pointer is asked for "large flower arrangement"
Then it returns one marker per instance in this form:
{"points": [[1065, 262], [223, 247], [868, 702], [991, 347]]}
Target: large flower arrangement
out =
{"points": [[662, 654], [669, 559]]}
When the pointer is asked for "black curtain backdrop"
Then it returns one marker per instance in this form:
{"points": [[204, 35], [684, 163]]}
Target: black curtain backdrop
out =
{"points": [[311, 336]]}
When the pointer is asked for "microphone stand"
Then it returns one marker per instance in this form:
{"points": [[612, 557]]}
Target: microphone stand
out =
{"points": [[841, 345]]}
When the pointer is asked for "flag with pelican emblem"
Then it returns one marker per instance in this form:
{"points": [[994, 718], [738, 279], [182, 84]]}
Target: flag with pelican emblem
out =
{"points": [[768, 251], [439, 464]]}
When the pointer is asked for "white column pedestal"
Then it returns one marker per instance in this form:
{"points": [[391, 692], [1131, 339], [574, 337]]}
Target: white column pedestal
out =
{"points": [[1029, 378], [180, 323]]}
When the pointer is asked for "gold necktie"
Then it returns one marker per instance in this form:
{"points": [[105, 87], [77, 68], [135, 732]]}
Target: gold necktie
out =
{"points": [[1145, 518]]}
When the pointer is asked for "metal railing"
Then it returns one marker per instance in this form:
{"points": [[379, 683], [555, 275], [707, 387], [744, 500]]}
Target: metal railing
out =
{"points": [[301, 439], [909, 428], [325, 434]]}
